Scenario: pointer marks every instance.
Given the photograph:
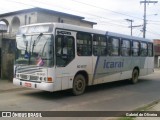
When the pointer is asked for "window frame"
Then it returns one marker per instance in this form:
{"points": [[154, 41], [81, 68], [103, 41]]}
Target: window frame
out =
{"points": [[142, 55], [82, 45], [99, 45], [111, 46], [132, 49], [150, 49], [130, 46], [56, 50]]}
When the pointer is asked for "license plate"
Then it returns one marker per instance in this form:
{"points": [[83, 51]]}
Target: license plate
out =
{"points": [[27, 84]]}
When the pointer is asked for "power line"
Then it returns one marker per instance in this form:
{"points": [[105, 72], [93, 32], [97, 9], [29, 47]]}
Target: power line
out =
{"points": [[21, 3], [144, 20], [110, 10], [153, 23], [74, 11], [106, 9], [78, 11], [139, 34], [152, 31], [2, 9], [97, 16], [106, 23]]}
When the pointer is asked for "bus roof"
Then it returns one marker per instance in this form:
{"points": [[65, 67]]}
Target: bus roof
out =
{"points": [[90, 30], [79, 28], [127, 36]]}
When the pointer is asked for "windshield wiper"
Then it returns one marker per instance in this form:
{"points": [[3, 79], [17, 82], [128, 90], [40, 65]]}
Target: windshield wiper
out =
{"points": [[36, 41]]}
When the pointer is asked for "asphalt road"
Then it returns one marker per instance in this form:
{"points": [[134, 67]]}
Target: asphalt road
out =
{"points": [[115, 96]]}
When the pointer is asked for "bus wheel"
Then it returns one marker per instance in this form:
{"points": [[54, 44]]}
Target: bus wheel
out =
{"points": [[79, 85], [135, 75]]}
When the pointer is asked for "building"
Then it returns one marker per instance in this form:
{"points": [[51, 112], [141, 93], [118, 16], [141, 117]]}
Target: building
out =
{"points": [[157, 53], [39, 15], [28, 16], [3, 28]]}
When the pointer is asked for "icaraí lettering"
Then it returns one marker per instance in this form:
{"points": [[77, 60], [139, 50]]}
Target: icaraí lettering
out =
{"points": [[114, 64]]}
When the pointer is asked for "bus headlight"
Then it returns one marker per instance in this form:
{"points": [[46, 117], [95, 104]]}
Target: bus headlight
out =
{"points": [[40, 78], [17, 75], [45, 79]]}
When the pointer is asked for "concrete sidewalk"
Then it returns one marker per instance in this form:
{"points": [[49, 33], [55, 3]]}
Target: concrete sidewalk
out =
{"points": [[154, 106], [150, 108]]}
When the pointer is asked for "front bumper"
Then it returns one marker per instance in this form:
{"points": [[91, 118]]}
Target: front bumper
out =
{"points": [[41, 86]]}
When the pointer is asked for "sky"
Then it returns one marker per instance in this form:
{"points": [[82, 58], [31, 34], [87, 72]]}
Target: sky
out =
{"points": [[110, 15]]}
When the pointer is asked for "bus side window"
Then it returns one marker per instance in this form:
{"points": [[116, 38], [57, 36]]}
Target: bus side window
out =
{"points": [[64, 50], [113, 46], [99, 45], [135, 48], [144, 48], [125, 48], [150, 49], [84, 44]]}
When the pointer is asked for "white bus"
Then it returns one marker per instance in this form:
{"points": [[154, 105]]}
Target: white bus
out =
{"points": [[58, 56]]}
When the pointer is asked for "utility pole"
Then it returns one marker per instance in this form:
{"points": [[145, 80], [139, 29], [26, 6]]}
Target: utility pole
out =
{"points": [[131, 21], [144, 19], [131, 26]]}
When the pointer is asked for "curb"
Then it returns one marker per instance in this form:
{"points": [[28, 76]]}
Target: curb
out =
{"points": [[148, 106]]}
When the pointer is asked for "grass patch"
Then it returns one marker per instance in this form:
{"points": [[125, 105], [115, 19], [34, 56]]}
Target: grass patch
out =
{"points": [[126, 118]]}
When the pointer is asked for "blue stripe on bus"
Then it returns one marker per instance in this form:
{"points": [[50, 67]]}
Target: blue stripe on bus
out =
{"points": [[95, 70]]}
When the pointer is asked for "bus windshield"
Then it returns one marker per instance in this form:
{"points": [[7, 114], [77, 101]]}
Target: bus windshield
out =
{"points": [[34, 50]]}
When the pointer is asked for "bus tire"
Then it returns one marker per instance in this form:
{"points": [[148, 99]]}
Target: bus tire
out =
{"points": [[79, 85], [135, 75]]}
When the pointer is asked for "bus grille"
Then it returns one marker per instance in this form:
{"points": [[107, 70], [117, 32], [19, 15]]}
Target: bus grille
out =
{"points": [[33, 77], [28, 77], [23, 77]]}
